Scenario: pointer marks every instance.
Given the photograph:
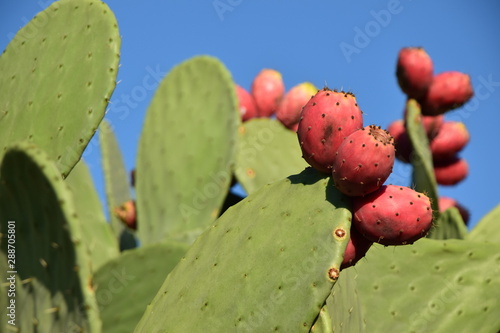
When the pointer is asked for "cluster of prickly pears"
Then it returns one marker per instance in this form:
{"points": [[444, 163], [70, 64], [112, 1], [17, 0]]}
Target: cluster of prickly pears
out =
{"points": [[436, 94], [360, 158], [268, 98]]}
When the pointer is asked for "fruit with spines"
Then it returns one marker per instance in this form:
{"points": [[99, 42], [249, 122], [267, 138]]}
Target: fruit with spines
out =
{"points": [[289, 110], [448, 91], [451, 171], [356, 248], [246, 103], [414, 71], [267, 90], [393, 215], [401, 140], [325, 121], [364, 161], [451, 139], [447, 202]]}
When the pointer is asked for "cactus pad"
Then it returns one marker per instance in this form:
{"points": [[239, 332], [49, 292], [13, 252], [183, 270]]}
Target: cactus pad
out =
{"points": [[267, 264], [487, 229], [121, 291], [186, 151], [267, 153], [96, 232], [431, 286], [57, 75], [55, 292]]}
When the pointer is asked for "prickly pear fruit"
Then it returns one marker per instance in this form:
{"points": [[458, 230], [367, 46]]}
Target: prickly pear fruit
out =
{"points": [[247, 107], [448, 91], [447, 202], [363, 161], [451, 139], [393, 215], [414, 71], [127, 214], [432, 124], [325, 121], [451, 171], [356, 248], [291, 106], [267, 90], [401, 140]]}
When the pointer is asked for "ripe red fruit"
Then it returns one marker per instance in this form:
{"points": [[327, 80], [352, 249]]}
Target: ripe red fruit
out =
{"points": [[356, 248], [127, 214], [326, 120], [448, 91], [246, 103], [363, 161], [291, 106], [447, 202], [451, 171], [393, 215], [451, 139], [267, 90], [414, 71]]}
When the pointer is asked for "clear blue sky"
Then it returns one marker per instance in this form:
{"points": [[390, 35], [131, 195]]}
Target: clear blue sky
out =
{"points": [[349, 45]]}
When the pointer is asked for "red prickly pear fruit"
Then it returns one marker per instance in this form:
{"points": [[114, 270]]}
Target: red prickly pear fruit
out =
{"points": [[267, 90], [363, 161], [451, 139], [291, 106], [451, 171], [448, 91], [414, 71], [325, 121], [393, 215], [127, 214], [356, 248], [401, 140], [447, 202], [247, 107]]}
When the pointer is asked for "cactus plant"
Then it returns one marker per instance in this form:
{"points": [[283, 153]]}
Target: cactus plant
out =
{"points": [[73, 67], [116, 181], [183, 173], [267, 152], [121, 291], [96, 232], [282, 283], [54, 281]]}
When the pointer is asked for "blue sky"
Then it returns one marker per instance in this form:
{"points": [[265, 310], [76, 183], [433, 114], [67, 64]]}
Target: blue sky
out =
{"points": [[347, 45]]}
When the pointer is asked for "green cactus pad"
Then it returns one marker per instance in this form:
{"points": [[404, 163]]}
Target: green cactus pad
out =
{"points": [[117, 183], [126, 285], [186, 151], [431, 286], [487, 230], [344, 304], [323, 323], [57, 75], [53, 268], [267, 153], [96, 232], [267, 264], [423, 180], [450, 225]]}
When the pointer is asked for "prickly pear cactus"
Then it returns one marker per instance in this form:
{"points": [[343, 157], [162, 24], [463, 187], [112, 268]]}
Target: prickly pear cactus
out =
{"points": [[431, 286], [186, 151], [116, 183], [96, 232], [54, 291], [267, 153], [61, 67], [121, 291], [487, 229], [267, 264]]}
